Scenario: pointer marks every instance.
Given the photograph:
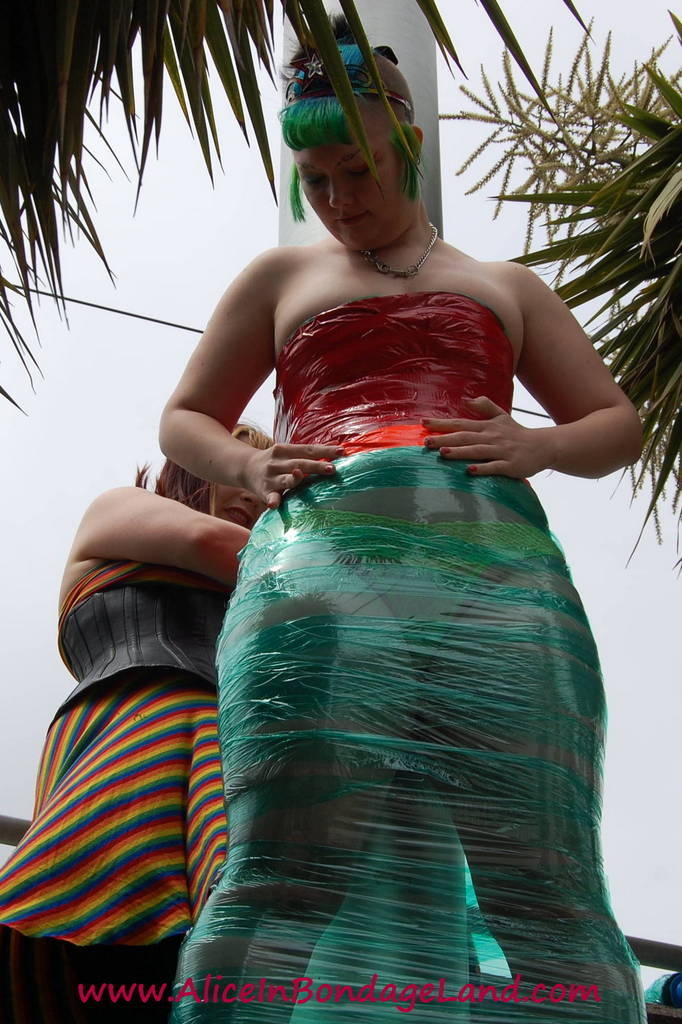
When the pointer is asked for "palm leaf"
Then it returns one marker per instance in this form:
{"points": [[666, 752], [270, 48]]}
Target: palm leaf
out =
{"points": [[677, 23], [667, 90], [353, 18], [318, 21], [496, 15], [613, 226], [220, 52], [437, 26], [668, 195]]}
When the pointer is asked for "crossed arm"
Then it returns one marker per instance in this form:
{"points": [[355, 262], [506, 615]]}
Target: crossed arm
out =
{"points": [[131, 523]]}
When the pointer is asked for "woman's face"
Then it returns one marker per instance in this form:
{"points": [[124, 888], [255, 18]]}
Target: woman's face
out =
{"points": [[354, 208], [236, 505]]}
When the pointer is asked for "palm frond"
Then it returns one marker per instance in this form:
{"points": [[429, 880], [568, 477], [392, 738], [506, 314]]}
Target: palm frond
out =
{"points": [[607, 175]]}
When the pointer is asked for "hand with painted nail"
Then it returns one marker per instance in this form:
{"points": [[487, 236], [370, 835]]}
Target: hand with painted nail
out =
{"points": [[492, 442], [272, 471]]}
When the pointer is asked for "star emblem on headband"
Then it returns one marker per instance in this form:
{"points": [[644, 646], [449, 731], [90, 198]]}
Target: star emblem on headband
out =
{"points": [[307, 69], [313, 66]]}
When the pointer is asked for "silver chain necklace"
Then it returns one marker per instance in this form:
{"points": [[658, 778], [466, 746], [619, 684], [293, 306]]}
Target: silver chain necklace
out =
{"points": [[412, 270]]}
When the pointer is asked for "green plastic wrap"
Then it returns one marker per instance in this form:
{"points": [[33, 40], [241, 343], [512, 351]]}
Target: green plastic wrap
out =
{"points": [[412, 724]]}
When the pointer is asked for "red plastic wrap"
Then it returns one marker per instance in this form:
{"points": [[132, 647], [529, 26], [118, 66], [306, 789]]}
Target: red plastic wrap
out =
{"points": [[365, 373]]}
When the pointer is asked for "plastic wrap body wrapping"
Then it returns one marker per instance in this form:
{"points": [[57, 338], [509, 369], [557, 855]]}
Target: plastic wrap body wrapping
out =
{"points": [[411, 718], [364, 374]]}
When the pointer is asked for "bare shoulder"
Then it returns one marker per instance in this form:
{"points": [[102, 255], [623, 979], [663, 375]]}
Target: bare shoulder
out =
{"points": [[271, 261], [316, 277], [270, 272], [528, 286], [251, 301], [115, 506], [521, 284], [546, 317], [105, 507], [236, 351], [122, 497], [529, 305], [288, 262], [119, 508]]}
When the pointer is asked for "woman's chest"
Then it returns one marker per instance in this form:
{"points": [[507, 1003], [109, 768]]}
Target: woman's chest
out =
{"points": [[322, 293]]}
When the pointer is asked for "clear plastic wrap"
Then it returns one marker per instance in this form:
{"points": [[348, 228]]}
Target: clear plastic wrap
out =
{"points": [[666, 990], [412, 722]]}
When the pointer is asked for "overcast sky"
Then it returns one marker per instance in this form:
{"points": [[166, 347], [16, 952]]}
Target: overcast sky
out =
{"points": [[94, 417]]}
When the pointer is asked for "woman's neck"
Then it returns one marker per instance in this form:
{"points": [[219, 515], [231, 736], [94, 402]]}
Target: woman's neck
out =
{"points": [[410, 240]]}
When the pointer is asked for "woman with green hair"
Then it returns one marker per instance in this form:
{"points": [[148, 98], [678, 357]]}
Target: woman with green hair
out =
{"points": [[410, 704]]}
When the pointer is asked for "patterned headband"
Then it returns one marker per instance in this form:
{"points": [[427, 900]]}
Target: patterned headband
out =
{"points": [[310, 81]]}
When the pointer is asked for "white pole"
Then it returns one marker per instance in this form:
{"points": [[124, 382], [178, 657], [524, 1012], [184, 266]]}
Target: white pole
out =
{"points": [[402, 26]]}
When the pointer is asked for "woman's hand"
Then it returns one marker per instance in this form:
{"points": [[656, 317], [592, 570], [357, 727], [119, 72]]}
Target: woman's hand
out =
{"points": [[272, 471], [507, 448]]}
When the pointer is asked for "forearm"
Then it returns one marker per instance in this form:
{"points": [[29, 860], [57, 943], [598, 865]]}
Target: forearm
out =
{"points": [[212, 549], [203, 446], [597, 444], [206, 545]]}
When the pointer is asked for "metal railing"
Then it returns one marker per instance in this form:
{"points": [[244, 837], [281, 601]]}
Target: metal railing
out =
{"points": [[664, 955], [12, 829]]}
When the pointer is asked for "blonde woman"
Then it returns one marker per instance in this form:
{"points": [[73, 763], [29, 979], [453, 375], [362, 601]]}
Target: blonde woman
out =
{"points": [[129, 827]]}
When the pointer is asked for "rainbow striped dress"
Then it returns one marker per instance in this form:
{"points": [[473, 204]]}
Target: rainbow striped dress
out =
{"points": [[129, 824]]}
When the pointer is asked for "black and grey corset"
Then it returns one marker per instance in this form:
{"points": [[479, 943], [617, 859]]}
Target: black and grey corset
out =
{"points": [[144, 626]]}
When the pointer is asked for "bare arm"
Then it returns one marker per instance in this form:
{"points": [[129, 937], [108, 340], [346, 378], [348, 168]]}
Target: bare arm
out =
{"points": [[131, 523], [233, 358], [597, 428]]}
